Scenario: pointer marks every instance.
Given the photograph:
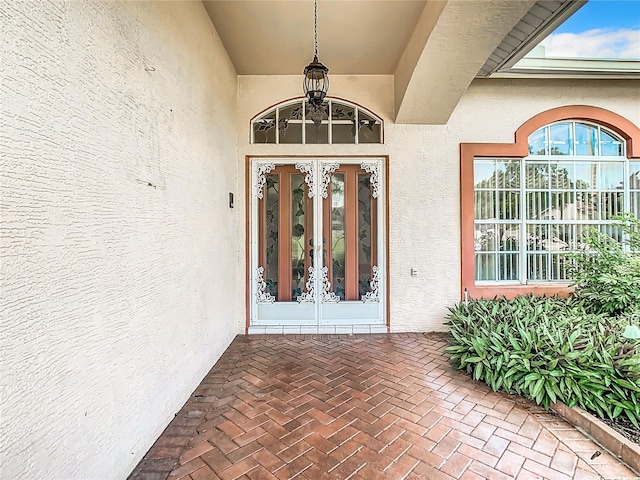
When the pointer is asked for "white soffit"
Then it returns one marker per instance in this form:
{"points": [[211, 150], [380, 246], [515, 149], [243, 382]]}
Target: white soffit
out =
{"points": [[275, 37], [543, 18]]}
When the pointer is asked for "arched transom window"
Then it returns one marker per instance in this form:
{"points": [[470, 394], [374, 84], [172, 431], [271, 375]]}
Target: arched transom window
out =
{"points": [[342, 122], [530, 213]]}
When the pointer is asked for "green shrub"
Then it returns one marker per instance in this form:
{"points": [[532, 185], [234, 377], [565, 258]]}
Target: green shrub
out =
{"points": [[606, 276], [548, 349]]}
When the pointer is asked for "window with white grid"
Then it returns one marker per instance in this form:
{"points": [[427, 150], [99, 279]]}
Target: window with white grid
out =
{"points": [[531, 212]]}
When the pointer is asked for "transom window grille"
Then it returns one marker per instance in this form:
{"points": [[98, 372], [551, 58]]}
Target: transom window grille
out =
{"points": [[342, 122], [531, 212]]}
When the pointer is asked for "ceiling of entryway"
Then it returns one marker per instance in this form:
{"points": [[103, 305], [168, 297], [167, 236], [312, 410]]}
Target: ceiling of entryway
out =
{"points": [[434, 48], [276, 37]]}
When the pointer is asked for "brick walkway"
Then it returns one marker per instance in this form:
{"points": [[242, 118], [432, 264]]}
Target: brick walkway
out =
{"points": [[362, 407]]}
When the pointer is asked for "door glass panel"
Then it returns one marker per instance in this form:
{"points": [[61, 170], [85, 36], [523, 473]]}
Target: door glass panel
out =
{"points": [[367, 222], [337, 240], [299, 258], [271, 221]]}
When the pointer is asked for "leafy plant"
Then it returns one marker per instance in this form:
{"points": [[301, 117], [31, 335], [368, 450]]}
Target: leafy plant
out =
{"points": [[606, 275], [548, 349]]}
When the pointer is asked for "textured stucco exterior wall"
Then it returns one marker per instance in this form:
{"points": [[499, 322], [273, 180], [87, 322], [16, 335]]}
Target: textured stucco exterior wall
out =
{"points": [[118, 142], [424, 191]]}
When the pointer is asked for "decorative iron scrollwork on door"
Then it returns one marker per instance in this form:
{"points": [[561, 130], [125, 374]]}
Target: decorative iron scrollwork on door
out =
{"points": [[327, 295], [374, 179], [373, 294], [309, 295], [263, 295], [307, 169], [261, 170], [327, 170]]}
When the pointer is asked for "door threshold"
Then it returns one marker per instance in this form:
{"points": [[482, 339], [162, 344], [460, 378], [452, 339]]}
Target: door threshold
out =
{"points": [[311, 330]]}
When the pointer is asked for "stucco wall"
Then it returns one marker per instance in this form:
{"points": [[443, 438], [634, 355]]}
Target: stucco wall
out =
{"points": [[424, 223], [118, 147]]}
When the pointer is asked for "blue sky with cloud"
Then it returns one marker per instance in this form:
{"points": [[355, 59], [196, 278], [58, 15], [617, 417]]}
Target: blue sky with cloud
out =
{"points": [[600, 29]]}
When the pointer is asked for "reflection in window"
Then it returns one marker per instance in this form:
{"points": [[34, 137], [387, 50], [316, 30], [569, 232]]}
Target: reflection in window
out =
{"points": [[531, 213]]}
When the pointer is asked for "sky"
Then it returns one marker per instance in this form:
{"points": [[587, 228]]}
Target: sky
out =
{"points": [[600, 29]]}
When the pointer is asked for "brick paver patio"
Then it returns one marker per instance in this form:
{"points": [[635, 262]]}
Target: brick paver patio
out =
{"points": [[362, 407]]}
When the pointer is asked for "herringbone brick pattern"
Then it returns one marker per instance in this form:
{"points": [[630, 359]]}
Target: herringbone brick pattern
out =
{"points": [[362, 407]]}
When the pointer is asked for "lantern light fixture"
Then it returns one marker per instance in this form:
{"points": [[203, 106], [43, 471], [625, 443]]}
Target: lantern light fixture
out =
{"points": [[316, 78]]}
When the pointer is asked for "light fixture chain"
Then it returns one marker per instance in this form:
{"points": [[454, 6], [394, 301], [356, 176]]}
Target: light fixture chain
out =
{"points": [[315, 27]]}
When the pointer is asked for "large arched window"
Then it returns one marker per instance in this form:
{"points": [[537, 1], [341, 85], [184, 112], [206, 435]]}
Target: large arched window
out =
{"points": [[343, 122], [526, 214]]}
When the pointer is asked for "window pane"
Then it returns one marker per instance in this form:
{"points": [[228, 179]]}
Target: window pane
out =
{"points": [[560, 238], [634, 175], [508, 238], [586, 175], [563, 206], [586, 139], [610, 175], [316, 135], [613, 231], [635, 204], [560, 267], [343, 133], [508, 266], [562, 175], [508, 205], [485, 266], [313, 134], [537, 266], [611, 204], [537, 175], [538, 142], [610, 146], [264, 131], [508, 173], [538, 205], [292, 134], [560, 136], [485, 238], [537, 237], [369, 129], [484, 173], [634, 186], [343, 123], [586, 206], [290, 124], [485, 207]]}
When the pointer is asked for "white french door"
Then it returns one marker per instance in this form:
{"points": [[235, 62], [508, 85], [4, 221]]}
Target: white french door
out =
{"points": [[317, 245]]}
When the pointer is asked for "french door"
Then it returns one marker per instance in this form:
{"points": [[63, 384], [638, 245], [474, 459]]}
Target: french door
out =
{"points": [[317, 245]]}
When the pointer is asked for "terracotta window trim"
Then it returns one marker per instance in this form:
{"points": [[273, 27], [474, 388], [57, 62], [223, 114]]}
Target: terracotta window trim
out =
{"points": [[519, 149]]}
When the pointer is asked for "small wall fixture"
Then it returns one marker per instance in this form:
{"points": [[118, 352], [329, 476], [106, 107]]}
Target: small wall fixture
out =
{"points": [[230, 200]]}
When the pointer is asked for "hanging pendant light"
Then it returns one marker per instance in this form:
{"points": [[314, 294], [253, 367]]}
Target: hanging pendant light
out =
{"points": [[316, 79]]}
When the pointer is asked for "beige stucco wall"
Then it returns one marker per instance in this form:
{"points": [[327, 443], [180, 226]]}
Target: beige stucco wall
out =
{"points": [[424, 192], [118, 143]]}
